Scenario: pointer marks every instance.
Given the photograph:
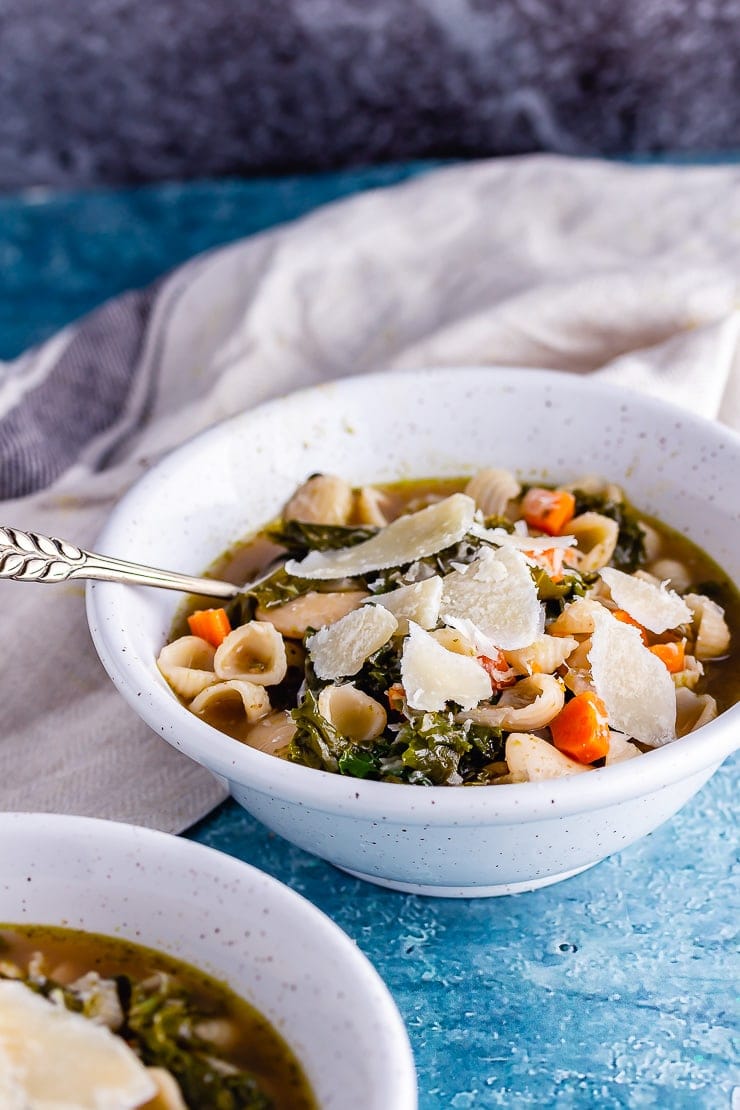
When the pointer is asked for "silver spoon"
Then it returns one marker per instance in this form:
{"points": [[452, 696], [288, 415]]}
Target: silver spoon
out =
{"points": [[32, 557]]}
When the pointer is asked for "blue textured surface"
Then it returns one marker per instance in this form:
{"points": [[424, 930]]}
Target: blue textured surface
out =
{"points": [[617, 988]]}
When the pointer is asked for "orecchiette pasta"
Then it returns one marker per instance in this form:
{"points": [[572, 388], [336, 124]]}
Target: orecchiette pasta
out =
{"points": [[672, 571], [596, 538], [271, 734], [712, 633], [232, 703], [492, 489], [371, 507], [187, 664], [351, 712], [311, 610], [693, 710], [322, 499], [254, 652], [530, 704], [544, 655]]}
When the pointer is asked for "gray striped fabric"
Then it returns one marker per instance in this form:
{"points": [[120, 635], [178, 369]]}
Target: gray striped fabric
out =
{"points": [[82, 395]]}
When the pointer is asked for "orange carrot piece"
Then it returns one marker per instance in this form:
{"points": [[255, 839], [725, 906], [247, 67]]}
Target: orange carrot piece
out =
{"points": [[551, 561], [548, 510], [396, 696], [623, 616], [498, 670], [212, 625], [672, 654], [581, 728]]}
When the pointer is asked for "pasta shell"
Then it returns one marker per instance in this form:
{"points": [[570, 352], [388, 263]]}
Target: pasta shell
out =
{"points": [[352, 713], [323, 499], [492, 489], [227, 705], [187, 665], [576, 619], [532, 759], [530, 704], [254, 652], [596, 538], [272, 734], [372, 507], [620, 749], [577, 671], [311, 610], [543, 656], [672, 571], [693, 711], [712, 633]]}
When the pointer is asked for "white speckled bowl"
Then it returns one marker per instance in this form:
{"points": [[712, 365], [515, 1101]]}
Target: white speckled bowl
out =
{"points": [[546, 426], [272, 946]]}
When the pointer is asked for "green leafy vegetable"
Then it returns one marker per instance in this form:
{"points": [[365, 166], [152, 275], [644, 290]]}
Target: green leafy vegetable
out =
{"points": [[163, 1024], [299, 537]]}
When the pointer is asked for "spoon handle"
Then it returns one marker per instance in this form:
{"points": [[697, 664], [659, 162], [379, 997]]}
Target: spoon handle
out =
{"points": [[31, 557]]}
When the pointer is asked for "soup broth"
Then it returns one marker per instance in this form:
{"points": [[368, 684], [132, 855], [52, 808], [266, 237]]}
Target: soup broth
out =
{"points": [[604, 553], [185, 1017]]}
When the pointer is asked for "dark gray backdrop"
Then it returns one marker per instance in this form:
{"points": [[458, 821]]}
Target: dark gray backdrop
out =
{"points": [[131, 90]]}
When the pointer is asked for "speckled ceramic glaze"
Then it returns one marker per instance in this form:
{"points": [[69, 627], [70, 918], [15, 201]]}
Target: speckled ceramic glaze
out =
{"points": [[271, 945], [546, 426]]}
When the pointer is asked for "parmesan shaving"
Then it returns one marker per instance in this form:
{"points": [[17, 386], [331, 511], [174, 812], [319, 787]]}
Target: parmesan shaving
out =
{"points": [[404, 540], [418, 602], [340, 649], [634, 684], [501, 538], [432, 675], [61, 1059], [495, 593], [654, 607]]}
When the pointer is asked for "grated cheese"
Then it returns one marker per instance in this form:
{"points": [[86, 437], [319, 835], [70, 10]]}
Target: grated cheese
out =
{"points": [[60, 1059], [495, 593], [654, 607], [418, 602], [403, 541], [432, 675], [340, 649], [635, 686]]}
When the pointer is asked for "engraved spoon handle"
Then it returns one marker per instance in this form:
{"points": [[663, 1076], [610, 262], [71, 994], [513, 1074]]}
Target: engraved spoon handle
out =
{"points": [[31, 557]]}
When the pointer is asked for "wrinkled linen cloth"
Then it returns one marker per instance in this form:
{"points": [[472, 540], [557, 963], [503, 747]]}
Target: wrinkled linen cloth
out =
{"points": [[620, 272]]}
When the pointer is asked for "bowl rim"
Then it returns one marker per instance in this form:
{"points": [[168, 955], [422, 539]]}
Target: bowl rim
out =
{"points": [[233, 874], [661, 768]]}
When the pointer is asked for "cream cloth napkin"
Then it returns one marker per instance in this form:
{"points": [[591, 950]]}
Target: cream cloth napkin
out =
{"points": [[627, 273]]}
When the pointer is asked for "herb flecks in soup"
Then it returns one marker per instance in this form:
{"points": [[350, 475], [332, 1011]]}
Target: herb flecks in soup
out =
{"points": [[88, 1021], [471, 632]]}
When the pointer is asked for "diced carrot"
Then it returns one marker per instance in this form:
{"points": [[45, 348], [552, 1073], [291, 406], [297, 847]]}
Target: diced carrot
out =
{"points": [[548, 510], [672, 654], [498, 670], [623, 616], [551, 561], [581, 728], [396, 695], [212, 625]]}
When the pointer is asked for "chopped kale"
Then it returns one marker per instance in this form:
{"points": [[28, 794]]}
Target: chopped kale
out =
{"points": [[299, 537], [556, 595], [437, 750], [162, 1024], [316, 743], [380, 671]]}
